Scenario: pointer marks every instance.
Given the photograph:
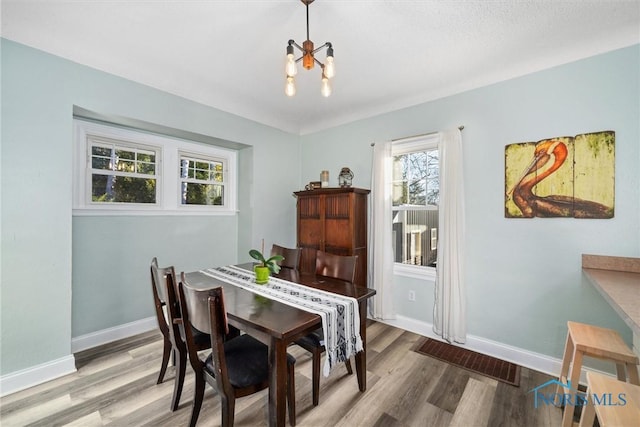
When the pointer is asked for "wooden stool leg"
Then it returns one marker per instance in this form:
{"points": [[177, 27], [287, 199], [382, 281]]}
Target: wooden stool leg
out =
{"points": [[632, 371], [588, 413], [569, 407], [564, 371], [620, 371]]}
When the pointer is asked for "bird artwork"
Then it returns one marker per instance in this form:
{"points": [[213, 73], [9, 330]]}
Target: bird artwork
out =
{"points": [[561, 177]]}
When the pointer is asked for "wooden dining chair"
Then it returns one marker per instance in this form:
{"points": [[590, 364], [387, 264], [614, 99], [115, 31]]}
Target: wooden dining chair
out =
{"points": [[291, 256], [235, 367], [166, 279], [159, 303], [342, 267], [338, 267]]}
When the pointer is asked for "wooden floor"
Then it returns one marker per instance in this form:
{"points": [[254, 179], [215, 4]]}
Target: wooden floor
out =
{"points": [[116, 385]]}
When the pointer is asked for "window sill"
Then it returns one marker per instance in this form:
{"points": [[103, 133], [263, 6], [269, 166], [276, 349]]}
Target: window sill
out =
{"points": [[158, 212], [415, 272]]}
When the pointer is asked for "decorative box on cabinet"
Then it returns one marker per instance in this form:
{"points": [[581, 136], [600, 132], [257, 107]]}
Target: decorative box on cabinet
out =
{"points": [[333, 220]]}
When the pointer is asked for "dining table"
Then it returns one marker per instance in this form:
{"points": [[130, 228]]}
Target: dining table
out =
{"points": [[278, 324]]}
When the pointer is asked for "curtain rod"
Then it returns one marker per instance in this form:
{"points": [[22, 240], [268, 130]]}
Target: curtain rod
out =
{"points": [[415, 136]]}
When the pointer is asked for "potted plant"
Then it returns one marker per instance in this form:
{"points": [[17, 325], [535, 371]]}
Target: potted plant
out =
{"points": [[266, 266]]}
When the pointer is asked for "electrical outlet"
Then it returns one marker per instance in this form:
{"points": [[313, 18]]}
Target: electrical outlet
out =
{"points": [[412, 295]]}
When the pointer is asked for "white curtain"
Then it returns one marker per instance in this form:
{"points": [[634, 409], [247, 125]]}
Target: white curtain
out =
{"points": [[449, 314], [380, 239]]}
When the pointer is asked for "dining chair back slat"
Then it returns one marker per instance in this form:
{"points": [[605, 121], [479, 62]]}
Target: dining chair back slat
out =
{"points": [[165, 279], [291, 256], [340, 267], [161, 316]]}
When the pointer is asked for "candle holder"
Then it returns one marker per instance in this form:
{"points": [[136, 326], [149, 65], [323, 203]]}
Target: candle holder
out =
{"points": [[324, 179]]}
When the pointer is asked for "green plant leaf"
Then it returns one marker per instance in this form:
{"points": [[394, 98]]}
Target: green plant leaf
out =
{"points": [[275, 259], [257, 255], [271, 263]]}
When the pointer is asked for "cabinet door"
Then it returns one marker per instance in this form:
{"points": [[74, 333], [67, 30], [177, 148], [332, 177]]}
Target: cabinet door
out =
{"points": [[338, 224], [310, 226], [310, 231]]}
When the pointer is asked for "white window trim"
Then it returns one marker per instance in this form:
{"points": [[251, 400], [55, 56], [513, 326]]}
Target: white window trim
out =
{"points": [[206, 157], [416, 143], [403, 146], [168, 173], [414, 271]]}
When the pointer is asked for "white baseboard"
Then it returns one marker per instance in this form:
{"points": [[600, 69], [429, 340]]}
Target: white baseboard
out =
{"points": [[35, 375], [39, 374], [108, 335], [529, 359]]}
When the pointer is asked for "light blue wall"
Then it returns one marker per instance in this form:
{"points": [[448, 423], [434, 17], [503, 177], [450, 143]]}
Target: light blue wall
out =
{"points": [[56, 279], [523, 276], [111, 258]]}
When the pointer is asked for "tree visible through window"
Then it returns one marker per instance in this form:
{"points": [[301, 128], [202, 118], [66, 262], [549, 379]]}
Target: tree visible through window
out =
{"points": [[123, 171], [416, 194], [202, 181], [121, 174]]}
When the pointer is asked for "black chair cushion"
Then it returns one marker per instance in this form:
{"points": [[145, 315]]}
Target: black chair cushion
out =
{"points": [[200, 338], [314, 339], [203, 340], [247, 361]]}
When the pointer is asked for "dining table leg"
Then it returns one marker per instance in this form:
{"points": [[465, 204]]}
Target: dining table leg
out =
{"points": [[361, 357], [277, 382]]}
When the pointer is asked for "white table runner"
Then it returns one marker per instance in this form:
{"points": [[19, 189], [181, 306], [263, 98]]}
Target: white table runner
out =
{"points": [[339, 313]]}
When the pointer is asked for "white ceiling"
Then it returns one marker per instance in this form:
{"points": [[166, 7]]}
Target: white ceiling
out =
{"points": [[388, 54]]}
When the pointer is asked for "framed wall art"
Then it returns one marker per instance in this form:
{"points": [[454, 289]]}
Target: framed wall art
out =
{"points": [[567, 176]]}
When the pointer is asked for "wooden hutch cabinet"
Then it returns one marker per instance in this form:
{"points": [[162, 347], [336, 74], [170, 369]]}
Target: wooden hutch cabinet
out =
{"points": [[333, 220]]}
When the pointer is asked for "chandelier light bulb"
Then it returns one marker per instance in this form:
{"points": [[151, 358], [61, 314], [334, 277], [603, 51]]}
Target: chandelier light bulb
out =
{"points": [[291, 68], [290, 86], [329, 67], [325, 90]]}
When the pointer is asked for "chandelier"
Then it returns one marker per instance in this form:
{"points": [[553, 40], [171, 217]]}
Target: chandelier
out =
{"points": [[308, 60]]}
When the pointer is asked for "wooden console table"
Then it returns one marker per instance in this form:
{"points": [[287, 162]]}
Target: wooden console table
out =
{"points": [[618, 281]]}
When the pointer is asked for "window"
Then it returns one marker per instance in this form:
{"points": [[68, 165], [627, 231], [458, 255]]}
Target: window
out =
{"points": [[201, 181], [415, 194], [123, 171]]}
